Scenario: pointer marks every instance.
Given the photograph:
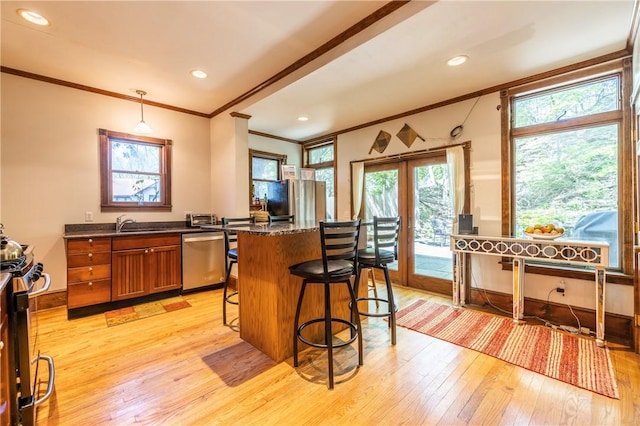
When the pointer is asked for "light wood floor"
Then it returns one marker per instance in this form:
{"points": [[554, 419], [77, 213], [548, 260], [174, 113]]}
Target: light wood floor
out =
{"points": [[185, 368]]}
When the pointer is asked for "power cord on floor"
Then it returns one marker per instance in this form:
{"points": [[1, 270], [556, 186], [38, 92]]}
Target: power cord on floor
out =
{"points": [[547, 323]]}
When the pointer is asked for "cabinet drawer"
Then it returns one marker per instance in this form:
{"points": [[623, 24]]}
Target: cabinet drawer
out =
{"points": [[88, 293], [88, 273], [88, 259], [138, 242], [84, 245]]}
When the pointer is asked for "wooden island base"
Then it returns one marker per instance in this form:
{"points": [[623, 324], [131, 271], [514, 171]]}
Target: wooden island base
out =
{"points": [[269, 293]]}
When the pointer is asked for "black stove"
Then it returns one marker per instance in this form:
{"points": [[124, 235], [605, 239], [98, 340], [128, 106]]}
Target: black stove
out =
{"points": [[24, 356], [14, 265]]}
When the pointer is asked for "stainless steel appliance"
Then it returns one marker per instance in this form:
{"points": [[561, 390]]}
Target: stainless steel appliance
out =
{"points": [[195, 220], [304, 199], [203, 260], [25, 358]]}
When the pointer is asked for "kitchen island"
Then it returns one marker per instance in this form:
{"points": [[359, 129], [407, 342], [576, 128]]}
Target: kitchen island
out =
{"points": [[268, 293]]}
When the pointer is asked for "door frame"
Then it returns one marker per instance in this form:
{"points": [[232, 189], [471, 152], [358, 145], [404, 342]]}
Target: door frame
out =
{"points": [[400, 277]]}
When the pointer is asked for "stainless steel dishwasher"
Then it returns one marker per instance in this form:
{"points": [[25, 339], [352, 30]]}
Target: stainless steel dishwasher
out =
{"points": [[203, 260]]}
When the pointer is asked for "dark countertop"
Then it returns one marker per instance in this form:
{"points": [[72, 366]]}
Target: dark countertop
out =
{"points": [[263, 228], [96, 230]]}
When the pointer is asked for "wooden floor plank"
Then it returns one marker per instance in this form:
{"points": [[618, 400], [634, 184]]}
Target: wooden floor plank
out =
{"points": [[186, 368]]}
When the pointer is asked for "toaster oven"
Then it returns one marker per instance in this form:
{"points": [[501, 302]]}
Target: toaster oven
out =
{"points": [[198, 219]]}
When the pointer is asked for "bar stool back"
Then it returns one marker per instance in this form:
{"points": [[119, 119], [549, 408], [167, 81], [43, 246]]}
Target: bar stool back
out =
{"points": [[383, 252], [230, 245], [339, 244]]}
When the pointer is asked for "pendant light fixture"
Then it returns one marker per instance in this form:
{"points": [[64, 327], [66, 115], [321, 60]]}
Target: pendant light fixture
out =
{"points": [[142, 127]]}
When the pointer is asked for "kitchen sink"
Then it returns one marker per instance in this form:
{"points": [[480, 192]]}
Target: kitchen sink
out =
{"points": [[129, 230]]}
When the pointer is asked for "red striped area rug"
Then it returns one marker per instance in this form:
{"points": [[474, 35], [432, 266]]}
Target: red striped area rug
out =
{"points": [[572, 359]]}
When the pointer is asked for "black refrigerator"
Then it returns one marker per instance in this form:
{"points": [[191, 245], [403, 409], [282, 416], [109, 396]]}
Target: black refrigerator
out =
{"points": [[306, 200]]}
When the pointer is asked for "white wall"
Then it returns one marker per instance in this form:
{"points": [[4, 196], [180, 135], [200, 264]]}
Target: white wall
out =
{"points": [[50, 170], [292, 150], [482, 128]]}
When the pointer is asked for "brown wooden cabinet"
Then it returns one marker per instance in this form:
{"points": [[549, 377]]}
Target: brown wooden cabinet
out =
{"points": [[5, 381], [144, 265], [88, 272]]}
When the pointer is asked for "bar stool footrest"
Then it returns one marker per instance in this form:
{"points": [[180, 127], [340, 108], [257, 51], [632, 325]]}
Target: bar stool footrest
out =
{"points": [[229, 296], [352, 326], [374, 314]]}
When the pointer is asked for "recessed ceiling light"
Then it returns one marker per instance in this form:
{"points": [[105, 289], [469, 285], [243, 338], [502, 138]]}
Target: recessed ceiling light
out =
{"points": [[33, 17], [198, 73], [457, 60], [303, 118]]}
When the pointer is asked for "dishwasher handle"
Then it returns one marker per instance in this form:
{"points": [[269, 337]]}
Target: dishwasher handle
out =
{"points": [[200, 239]]}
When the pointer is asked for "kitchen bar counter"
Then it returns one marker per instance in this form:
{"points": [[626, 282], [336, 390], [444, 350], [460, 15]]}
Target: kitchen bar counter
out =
{"points": [[264, 228], [269, 293]]}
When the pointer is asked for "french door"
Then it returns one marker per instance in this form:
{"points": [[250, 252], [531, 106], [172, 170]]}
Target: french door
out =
{"points": [[419, 192]]}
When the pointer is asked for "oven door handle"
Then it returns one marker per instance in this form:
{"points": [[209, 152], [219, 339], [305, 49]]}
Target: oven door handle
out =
{"points": [[44, 288], [52, 375]]}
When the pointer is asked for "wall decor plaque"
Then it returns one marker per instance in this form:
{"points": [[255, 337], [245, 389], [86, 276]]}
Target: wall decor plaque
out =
{"points": [[381, 142]]}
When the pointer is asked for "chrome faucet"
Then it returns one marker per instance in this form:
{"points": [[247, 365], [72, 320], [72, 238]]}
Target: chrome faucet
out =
{"points": [[120, 223]]}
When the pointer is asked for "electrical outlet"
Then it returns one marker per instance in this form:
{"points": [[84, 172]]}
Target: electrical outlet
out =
{"points": [[88, 216], [561, 287]]}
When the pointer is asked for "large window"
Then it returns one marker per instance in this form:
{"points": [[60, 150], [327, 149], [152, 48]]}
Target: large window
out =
{"points": [[566, 144], [321, 158], [135, 172], [264, 168]]}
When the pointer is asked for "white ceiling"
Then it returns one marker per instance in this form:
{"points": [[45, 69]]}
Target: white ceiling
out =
{"points": [[394, 66]]}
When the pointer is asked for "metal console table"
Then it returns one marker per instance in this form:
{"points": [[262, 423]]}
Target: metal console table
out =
{"points": [[582, 253]]}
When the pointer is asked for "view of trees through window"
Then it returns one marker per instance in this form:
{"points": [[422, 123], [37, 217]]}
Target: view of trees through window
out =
{"points": [[321, 159], [263, 170], [568, 176], [135, 169]]}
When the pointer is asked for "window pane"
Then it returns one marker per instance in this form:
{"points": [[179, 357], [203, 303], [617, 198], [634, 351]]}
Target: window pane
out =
{"points": [[327, 175], [264, 168], [560, 104], [135, 157], [136, 188], [260, 189], [321, 154], [381, 194], [570, 179]]}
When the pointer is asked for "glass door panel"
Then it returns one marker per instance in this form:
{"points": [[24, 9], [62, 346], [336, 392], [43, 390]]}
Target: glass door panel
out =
{"points": [[430, 265], [382, 197]]}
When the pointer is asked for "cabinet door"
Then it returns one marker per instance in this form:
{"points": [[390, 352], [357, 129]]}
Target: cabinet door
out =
{"points": [[128, 274], [164, 268]]}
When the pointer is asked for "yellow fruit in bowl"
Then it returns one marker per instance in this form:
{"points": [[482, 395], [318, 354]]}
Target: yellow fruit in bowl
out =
{"points": [[546, 229]]}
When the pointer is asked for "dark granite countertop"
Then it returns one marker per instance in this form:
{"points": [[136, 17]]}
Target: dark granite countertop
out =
{"points": [[95, 230], [263, 228]]}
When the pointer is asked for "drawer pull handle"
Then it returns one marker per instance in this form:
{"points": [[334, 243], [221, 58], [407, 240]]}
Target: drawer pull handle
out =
{"points": [[90, 283], [90, 255], [90, 269], [146, 251], [1, 345], [90, 241]]}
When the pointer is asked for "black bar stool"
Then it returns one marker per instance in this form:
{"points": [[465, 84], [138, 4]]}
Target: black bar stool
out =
{"points": [[383, 252], [230, 238], [339, 243]]}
